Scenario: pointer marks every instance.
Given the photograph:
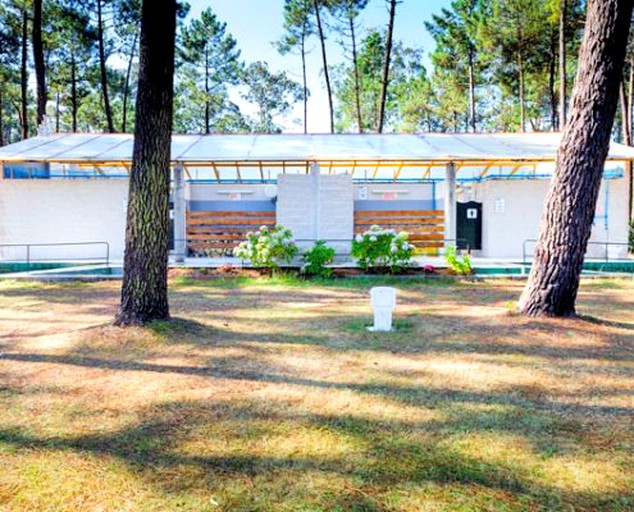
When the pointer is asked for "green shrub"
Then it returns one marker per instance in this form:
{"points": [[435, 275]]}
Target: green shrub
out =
{"points": [[267, 247], [631, 239], [386, 248], [316, 259], [459, 266]]}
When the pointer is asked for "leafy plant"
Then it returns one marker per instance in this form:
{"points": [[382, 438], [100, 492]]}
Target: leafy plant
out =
{"points": [[267, 247], [379, 247], [459, 266], [316, 259], [631, 238]]}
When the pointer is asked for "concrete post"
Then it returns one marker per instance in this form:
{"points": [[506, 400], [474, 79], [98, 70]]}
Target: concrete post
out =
{"points": [[180, 243], [450, 204]]}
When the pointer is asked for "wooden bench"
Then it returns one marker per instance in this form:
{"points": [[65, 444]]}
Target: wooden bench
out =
{"points": [[219, 232], [426, 228]]}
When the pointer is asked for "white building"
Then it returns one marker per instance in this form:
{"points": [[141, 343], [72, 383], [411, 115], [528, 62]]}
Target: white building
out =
{"points": [[481, 190]]}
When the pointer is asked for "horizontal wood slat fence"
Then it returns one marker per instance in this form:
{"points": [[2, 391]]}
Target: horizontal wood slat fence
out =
{"points": [[221, 232], [426, 228]]}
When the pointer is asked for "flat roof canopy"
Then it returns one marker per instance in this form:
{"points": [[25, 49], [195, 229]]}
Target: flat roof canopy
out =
{"points": [[349, 151]]}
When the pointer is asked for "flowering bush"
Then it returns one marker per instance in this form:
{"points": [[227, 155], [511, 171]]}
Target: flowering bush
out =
{"points": [[379, 247], [267, 247]]}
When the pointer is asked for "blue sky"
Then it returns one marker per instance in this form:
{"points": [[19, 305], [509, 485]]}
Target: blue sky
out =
{"points": [[257, 23]]}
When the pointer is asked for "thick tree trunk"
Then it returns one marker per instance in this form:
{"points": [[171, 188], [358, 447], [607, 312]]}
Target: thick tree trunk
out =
{"points": [[126, 89], [386, 66], [472, 98], [38, 61], [24, 77], [357, 78], [324, 59], [562, 64], [144, 291], [571, 201], [103, 70]]}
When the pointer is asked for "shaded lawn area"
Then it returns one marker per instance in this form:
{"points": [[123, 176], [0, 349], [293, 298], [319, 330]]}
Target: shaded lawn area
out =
{"points": [[272, 396]]}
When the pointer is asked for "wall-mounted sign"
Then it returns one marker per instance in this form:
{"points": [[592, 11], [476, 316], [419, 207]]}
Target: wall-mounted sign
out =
{"points": [[500, 205], [235, 196], [472, 213], [363, 193], [389, 196]]}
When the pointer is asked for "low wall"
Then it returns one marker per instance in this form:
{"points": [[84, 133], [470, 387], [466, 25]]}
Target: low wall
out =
{"points": [[62, 211]]}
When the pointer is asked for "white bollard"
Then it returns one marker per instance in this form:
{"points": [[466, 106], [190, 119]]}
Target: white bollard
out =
{"points": [[383, 300]]}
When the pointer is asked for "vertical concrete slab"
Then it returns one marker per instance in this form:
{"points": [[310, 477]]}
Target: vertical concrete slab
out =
{"points": [[317, 207], [450, 204]]}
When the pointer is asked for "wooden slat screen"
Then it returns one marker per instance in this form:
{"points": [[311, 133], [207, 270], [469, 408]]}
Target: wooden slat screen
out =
{"points": [[426, 228], [220, 232]]}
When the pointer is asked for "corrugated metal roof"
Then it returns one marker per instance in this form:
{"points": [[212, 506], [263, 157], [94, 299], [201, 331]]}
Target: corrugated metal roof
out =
{"points": [[419, 149]]}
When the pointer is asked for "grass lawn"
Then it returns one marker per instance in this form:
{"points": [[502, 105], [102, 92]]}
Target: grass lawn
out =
{"points": [[272, 396]]}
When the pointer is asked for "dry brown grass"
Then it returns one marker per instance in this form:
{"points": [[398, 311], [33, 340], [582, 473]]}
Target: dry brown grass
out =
{"points": [[271, 395]]}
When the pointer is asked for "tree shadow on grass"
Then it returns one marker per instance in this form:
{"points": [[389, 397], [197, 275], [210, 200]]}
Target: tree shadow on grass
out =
{"points": [[385, 458]]}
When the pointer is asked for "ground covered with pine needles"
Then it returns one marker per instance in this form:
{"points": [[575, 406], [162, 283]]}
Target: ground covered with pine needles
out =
{"points": [[271, 395]]}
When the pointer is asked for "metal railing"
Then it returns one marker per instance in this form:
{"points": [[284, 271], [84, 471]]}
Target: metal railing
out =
{"points": [[28, 259], [605, 257]]}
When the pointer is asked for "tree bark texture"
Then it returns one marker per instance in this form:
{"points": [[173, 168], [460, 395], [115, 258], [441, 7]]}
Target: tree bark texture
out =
{"points": [[562, 64], [386, 65], [24, 77], [144, 291], [571, 200], [38, 61], [102, 68], [322, 39]]}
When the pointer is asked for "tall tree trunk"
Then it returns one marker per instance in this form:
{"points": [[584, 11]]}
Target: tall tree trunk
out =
{"points": [[144, 291], [1, 114], [73, 91], [357, 78], [324, 59], [207, 112], [386, 65], [629, 167], [571, 201], [520, 70], [472, 98], [126, 89], [57, 112], [562, 64], [551, 84], [304, 77], [102, 68], [24, 77], [38, 61]]}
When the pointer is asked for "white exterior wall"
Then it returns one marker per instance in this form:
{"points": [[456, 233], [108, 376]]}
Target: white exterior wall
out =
{"points": [[317, 207], [503, 232], [61, 211]]}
